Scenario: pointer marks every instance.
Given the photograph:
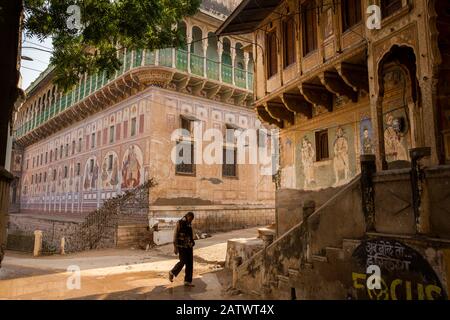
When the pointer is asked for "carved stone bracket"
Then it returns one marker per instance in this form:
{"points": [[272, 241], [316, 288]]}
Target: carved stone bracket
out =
{"points": [[279, 112], [355, 76], [266, 117], [317, 95], [334, 83], [297, 104]]}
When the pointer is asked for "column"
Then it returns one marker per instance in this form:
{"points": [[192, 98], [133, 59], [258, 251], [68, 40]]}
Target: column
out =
{"points": [[205, 49], [189, 41], [220, 51], [246, 60], [233, 59]]}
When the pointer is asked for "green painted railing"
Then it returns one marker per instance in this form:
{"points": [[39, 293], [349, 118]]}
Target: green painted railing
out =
{"points": [[227, 73], [134, 59], [197, 64], [212, 69]]}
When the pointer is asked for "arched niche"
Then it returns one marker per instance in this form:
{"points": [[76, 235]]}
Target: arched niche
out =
{"points": [[400, 119]]}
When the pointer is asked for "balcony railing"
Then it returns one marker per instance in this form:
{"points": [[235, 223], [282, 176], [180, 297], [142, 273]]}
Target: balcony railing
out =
{"points": [[133, 59]]}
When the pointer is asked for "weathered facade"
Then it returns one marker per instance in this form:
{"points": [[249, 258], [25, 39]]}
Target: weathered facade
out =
{"points": [[109, 135], [342, 87]]}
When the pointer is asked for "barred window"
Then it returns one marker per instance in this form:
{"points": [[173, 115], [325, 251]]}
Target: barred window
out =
{"points": [[389, 7], [309, 26], [322, 152], [351, 13], [229, 166], [185, 162]]}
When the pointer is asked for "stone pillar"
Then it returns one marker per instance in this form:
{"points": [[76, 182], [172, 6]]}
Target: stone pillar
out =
{"points": [[237, 261], [189, 41], [233, 59], [63, 246], [419, 197], [267, 238], [37, 243], [246, 60], [205, 49], [220, 52], [368, 168]]}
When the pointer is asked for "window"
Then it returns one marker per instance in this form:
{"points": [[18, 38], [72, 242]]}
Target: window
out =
{"points": [[54, 174], [289, 41], [389, 7], [79, 144], [91, 166], [33, 161], [46, 157], [73, 147], [351, 13], [45, 176], [186, 124], [229, 166], [67, 149], [272, 58], [322, 145], [56, 154], [133, 127], [51, 155], [110, 162], [40, 177], [66, 171], [28, 163], [111, 134], [78, 168], [61, 152], [186, 165], [42, 157], [309, 26], [93, 140]]}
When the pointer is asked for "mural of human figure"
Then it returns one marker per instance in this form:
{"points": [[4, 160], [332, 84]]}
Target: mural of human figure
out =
{"points": [[94, 177], [367, 142], [394, 148], [308, 155], [341, 159], [115, 173], [131, 169]]}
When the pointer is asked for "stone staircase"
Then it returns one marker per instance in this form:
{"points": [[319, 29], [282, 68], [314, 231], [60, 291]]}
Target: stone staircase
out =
{"points": [[320, 257]]}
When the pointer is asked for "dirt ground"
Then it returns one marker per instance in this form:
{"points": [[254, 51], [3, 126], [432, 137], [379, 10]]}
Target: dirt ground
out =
{"points": [[121, 274]]}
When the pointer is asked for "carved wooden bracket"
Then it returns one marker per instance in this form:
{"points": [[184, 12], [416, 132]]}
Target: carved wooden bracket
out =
{"points": [[355, 76], [197, 88], [297, 104], [335, 84], [279, 112], [317, 95], [266, 117], [211, 92]]}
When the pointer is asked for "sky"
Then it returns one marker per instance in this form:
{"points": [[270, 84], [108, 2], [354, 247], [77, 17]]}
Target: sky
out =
{"points": [[30, 70]]}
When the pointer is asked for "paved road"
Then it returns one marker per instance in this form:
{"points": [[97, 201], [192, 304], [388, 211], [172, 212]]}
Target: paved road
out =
{"points": [[120, 273]]}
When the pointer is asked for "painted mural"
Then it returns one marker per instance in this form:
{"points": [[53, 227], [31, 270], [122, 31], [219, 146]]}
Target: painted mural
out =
{"points": [[110, 170], [91, 171], [404, 273], [308, 156], [366, 137], [335, 170], [396, 125], [341, 161], [132, 169]]}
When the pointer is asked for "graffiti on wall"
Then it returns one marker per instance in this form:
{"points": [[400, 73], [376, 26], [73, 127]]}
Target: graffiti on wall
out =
{"points": [[405, 274]]}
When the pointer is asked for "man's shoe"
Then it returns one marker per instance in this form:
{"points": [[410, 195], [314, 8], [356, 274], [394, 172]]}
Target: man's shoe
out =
{"points": [[171, 276], [189, 284]]}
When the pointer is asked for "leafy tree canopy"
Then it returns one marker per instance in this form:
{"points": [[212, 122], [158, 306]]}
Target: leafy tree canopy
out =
{"points": [[105, 27]]}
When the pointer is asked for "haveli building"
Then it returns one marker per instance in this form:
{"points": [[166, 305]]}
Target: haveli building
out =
{"points": [[364, 118], [109, 135]]}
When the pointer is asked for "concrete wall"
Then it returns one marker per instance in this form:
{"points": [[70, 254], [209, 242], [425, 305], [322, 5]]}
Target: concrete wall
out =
{"points": [[289, 204]]}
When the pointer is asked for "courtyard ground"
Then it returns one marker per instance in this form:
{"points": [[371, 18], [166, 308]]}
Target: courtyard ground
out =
{"points": [[121, 273]]}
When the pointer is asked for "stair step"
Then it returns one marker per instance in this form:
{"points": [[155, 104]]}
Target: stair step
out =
{"points": [[283, 278], [318, 258], [293, 273]]}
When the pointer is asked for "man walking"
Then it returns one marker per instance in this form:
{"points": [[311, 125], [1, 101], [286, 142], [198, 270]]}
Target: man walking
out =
{"points": [[183, 242]]}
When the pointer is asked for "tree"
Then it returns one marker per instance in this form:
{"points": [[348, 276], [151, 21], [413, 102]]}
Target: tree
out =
{"points": [[87, 34]]}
